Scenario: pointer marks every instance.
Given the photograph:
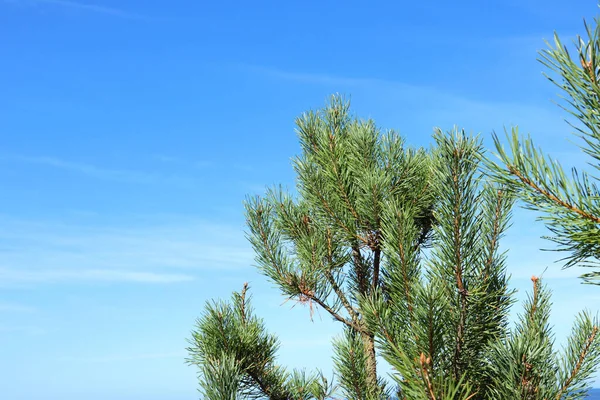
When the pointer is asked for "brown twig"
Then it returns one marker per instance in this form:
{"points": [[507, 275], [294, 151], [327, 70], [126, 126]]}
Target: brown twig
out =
{"points": [[340, 294], [534, 301], [425, 361], [458, 273], [243, 302], [351, 324], [552, 197], [405, 278], [495, 233], [330, 278], [582, 355]]}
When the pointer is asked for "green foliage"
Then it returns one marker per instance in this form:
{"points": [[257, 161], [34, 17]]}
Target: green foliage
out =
{"points": [[435, 317], [568, 202], [236, 357], [523, 365], [402, 247], [220, 377], [350, 361], [324, 247]]}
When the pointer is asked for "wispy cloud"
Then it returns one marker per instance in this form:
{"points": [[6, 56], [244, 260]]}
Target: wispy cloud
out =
{"points": [[109, 174], [130, 251], [178, 161], [127, 357], [201, 164], [315, 78], [22, 329], [428, 104], [16, 308], [92, 275], [83, 6]]}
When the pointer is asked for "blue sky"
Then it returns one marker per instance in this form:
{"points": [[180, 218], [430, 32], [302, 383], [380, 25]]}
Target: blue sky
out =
{"points": [[131, 131]]}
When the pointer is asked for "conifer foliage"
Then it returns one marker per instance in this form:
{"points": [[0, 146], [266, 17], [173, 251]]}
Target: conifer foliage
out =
{"points": [[401, 246], [236, 357], [570, 205], [325, 246], [436, 316]]}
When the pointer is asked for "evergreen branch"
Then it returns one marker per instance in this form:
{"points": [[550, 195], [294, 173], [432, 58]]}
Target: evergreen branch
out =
{"points": [[551, 196], [458, 266], [374, 316], [341, 296], [376, 267], [333, 215], [335, 315], [350, 361], [220, 378], [430, 337], [588, 344], [457, 238], [264, 388], [569, 206], [243, 303], [535, 299], [265, 242], [425, 374], [359, 270], [493, 244], [409, 302], [426, 227], [330, 278], [401, 246], [341, 187]]}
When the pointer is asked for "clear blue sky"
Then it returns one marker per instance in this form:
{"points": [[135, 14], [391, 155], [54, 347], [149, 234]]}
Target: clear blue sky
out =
{"points": [[130, 132]]}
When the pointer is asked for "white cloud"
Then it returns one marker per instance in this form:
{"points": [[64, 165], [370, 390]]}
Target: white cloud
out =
{"points": [[316, 78], [178, 161], [428, 104], [17, 308], [22, 329], [109, 174], [112, 358], [141, 251], [89, 275]]}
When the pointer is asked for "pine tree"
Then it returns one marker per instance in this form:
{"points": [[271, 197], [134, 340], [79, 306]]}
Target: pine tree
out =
{"points": [[402, 248], [324, 246], [570, 205]]}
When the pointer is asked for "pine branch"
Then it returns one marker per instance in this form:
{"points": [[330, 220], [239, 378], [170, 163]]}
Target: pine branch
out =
{"points": [[268, 250], [566, 205], [584, 352], [569, 207], [430, 338], [336, 172], [535, 299], [457, 237], [359, 270], [424, 363], [376, 265], [493, 242], [341, 296], [351, 324], [330, 278], [336, 218], [236, 357]]}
